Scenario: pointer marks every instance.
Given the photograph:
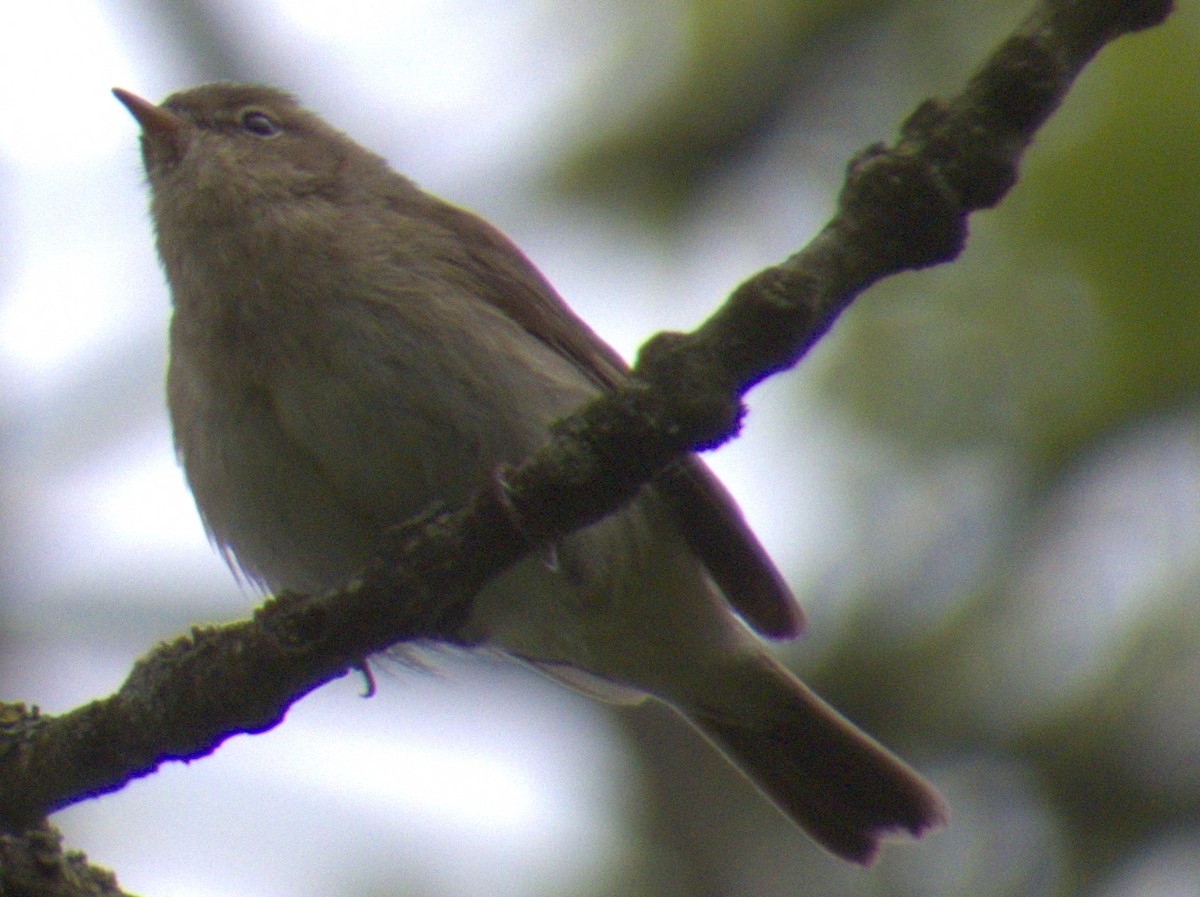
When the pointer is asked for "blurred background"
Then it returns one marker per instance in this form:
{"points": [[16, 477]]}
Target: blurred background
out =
{"points": [[984, 484]]}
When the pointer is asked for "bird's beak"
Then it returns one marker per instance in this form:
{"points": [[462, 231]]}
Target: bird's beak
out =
{"points": [[162, 131], [155, 121]]}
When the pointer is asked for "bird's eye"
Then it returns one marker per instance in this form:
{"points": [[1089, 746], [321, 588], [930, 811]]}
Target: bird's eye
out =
{"points": [[259, 123]]}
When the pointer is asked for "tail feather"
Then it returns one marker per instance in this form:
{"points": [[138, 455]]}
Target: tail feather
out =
{"points": [[835, 782]]}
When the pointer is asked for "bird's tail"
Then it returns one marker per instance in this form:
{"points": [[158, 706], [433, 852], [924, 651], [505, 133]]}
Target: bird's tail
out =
{"points": [[834, 781]]}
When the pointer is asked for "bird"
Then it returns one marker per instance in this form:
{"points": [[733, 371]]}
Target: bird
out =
{"points": [[347, 351]]}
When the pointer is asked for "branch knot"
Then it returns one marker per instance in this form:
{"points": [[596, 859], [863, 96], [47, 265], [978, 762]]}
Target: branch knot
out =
{"points": [[900, 209]]}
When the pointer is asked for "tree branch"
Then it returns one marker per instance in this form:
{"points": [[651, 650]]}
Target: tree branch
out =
{"points": [[33, 864], [902, 206]]}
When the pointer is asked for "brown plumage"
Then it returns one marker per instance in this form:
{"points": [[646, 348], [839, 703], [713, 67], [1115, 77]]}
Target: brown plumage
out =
{"points": [[347, 350]]}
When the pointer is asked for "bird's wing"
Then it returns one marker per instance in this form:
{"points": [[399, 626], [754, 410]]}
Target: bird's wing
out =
{"points": [[706, 514]]}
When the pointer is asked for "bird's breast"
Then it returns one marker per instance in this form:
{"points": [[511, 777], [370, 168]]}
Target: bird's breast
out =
{"points": [[303, 439]]}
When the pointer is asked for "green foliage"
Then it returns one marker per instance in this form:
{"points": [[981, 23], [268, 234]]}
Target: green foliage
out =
{"points": [[1121, 201], [736, 64], [1077, 303]]}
